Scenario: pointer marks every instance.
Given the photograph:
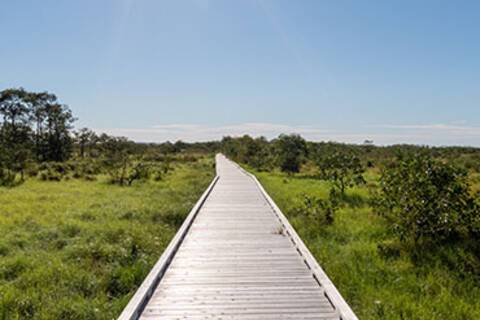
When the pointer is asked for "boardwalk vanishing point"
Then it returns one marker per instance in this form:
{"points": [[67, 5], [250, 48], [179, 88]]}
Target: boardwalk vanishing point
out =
{"points": [[236, 256]]}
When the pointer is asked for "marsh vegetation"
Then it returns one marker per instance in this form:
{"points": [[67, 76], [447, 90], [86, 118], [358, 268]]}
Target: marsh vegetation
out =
{"points": [[396, 228], [84, 216]]}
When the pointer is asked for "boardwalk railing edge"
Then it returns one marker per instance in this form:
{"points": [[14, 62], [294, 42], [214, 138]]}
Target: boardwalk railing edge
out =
{"points": [[331, 292], [139, 300]]}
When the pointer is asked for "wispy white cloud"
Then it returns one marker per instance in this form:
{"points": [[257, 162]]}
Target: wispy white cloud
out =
{"points": [[430, 134], [197, 132], [454, 128]]}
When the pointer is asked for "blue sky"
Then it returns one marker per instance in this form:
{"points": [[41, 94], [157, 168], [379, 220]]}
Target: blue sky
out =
{"points": [[392, 71]]}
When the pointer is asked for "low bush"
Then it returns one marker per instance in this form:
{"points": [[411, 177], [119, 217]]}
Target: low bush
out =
{"points": [[187, 158], [138, 171], [380, 276], [320, 211], [32, 170], [53, 171], [48, 175], [7, 178], [343, 168], [428, 203], [85, 170]]}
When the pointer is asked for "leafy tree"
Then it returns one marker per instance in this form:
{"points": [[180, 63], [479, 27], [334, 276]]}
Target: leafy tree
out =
{"points": [[427, 201], [138, 171], [179, 146], [33, 126], [15, 138], [58, 141], [259, 154], [85, 139], [38, 103], [230, 147], [291, 151], [341, 167], [167, 147], [116, 153], [14, 108], [252, 151]]}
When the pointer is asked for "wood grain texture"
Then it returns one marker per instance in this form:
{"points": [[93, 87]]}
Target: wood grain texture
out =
{"points": [[239, 260]]}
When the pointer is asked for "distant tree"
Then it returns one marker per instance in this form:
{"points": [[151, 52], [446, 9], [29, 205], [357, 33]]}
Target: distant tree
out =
{"points": [[15, 132], [139, 171], [38, 103], [58, 141], [14, 108], [291, 151], [428, 201], [246, 148], [34, 124], [230, 147], [167, 147], [259, 154], [179, 146], [116, 152], [255, 152], [85, 139], [252, 151], [342, 167]]}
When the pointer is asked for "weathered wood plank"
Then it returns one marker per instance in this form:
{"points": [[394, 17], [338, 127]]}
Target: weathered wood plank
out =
{"points": [[238, 259]]}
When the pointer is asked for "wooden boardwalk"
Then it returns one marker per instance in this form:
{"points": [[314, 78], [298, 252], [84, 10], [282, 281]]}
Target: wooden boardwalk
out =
{"points": [[237, 257]]}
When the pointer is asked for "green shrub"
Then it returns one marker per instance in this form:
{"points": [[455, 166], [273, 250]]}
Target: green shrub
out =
{"points": [[49, 175], [59, 167], [343, 168], [7, 178], [138, 171], [53, 171], [85, 170], [158, 170], [156, 175], [187, 158], [32, 170], [291, 151], [427, 202], [320, 211]]}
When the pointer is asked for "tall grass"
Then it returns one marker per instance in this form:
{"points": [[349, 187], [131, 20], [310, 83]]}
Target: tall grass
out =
{"points": [[378, 282], [78, 249]]}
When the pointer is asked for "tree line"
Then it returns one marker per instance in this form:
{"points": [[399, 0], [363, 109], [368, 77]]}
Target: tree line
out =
{"points": [[425, 193], [33, 127], [37, 138]]}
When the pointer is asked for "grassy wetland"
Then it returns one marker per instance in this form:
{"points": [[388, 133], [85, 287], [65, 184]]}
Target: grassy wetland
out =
{"points": [[378, 284], [396, 228], [84, 216], [78, 249]]}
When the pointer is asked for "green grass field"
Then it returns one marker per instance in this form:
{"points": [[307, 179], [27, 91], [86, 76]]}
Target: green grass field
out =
{"points": [[78, 250], [377, 286]]}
